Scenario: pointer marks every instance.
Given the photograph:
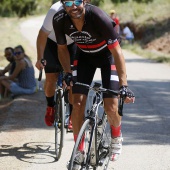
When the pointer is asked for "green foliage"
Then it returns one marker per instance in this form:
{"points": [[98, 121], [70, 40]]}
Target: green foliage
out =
{"points": [[97, 2], [22, 8], [139, 1]]}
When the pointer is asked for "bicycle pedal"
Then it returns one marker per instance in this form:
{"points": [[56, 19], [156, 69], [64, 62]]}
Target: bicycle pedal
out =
{"points": [[101, 162]]}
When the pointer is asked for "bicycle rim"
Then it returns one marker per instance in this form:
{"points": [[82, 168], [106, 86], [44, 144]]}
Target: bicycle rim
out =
{"points": [[59, 125], [84, 133]]}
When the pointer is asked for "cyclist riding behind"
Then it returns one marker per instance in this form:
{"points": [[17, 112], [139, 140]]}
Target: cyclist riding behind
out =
{"points": [[92, 30], [46, 49]]}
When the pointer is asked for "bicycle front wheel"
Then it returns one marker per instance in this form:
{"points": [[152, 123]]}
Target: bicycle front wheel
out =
{"points": [[84, 135], [59, 124]]}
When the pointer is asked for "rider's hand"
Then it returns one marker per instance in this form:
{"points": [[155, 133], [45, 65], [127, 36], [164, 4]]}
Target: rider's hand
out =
{"points": [[40, 64], [68, 79], [127, 94]]}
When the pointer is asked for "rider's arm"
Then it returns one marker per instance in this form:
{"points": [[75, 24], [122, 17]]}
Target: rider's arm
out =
{"points": [[120, 64], [45, 30], [64, 57], [63, 53], [104, 23], [41, 43]]}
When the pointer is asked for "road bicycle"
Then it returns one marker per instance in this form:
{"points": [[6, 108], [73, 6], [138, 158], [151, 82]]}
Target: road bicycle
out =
{"points": [[62, 113], [95, 133]]}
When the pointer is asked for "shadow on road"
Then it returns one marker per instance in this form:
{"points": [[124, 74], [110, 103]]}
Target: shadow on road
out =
{"points": [[33, 152]]}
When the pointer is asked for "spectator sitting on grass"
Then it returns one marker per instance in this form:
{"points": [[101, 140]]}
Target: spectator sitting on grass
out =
{"points": [[9, 55], [23, 71], [127, 34]]}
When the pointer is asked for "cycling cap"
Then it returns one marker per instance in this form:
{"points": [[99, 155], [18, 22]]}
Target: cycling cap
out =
{"points": [[112, 11]]}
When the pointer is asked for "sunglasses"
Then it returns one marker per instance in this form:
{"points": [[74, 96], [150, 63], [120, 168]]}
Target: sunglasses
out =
{"points": [[17, 53], [70, 3]]}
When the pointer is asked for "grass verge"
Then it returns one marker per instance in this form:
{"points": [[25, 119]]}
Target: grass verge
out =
{"points": [[11, 36], [149, 54]]}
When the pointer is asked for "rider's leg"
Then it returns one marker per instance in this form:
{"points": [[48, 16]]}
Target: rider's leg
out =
{"points": [[79, 103], [49, 88], [111, 108], [110, 80]]}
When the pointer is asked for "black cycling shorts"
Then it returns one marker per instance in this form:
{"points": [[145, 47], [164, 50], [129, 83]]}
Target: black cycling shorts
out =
{"points": [[84, 69], [51, 56]]}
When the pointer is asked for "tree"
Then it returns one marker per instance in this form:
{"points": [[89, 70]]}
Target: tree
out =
{"points": [[139, 1], [96, 2]]}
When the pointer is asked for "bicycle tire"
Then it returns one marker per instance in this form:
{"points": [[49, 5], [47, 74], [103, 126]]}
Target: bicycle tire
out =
{"points": [[84, 130], [59, 124]]}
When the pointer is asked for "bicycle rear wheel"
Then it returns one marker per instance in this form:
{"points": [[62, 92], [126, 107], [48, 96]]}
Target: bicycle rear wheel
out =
{"points": [[59, 124], [84, 134]]}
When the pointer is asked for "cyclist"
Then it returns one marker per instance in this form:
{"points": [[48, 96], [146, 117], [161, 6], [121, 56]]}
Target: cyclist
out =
{"points": [[46, 48], [92, 30]]}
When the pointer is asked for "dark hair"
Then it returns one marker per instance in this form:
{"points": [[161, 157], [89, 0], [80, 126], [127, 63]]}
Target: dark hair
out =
{"points": [[21, 47], [9, 48], [62, 1]]}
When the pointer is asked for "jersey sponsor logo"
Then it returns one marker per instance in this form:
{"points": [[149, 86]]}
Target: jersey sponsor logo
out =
{"points": [[71, 27], [59, 16], [111, 41], [82, 38]]}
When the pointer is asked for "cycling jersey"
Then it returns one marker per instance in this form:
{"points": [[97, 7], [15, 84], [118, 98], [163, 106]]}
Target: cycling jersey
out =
{"points": [[96, 35], [47, 24], [94, 41]]}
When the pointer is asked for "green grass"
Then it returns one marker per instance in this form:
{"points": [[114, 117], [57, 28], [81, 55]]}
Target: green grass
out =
{"points": [[139, 13], [11, 36], [150, 54], [153, 16]]}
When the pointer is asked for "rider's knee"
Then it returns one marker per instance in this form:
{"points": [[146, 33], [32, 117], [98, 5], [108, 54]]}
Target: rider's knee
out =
{"points": [[111, 111]]}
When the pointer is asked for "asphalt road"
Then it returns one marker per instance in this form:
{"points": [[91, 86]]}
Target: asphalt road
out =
{"points": [[27, 144]]}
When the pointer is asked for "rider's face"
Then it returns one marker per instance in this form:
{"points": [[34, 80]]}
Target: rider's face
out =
{"points": [[74, 8]]}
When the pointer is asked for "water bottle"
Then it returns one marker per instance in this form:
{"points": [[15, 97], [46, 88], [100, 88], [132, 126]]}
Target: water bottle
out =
{"points": [[60, 78]]}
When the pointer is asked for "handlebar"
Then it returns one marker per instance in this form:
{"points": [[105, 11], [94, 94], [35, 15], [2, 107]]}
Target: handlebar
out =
{"points": [[97, 88], [43, 61], [40, 75]]}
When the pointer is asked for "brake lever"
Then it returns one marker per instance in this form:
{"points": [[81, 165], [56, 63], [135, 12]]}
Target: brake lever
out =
{"points": [[121, 103]]}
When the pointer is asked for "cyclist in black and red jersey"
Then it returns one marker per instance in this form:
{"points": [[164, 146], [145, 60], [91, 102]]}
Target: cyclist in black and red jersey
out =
{"points": [[92, 30]]}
